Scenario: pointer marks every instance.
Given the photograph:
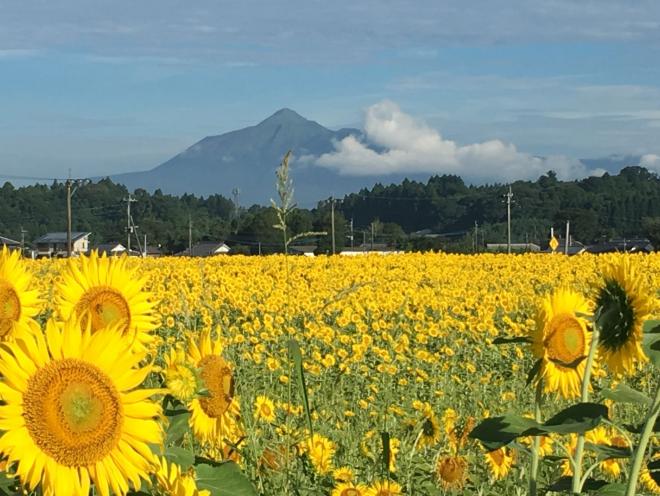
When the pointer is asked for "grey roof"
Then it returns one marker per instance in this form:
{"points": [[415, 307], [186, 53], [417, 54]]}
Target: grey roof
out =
{"points": [[203, 249], [60, 237], [8, 242]]}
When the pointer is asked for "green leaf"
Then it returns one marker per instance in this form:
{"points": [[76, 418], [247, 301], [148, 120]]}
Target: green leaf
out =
{"points": [[385, 438], [563, 485], [511, 339], [611, 489], [608, 452], [651, 343], [8, 485], [225, 479], [578, 419], [296, 355], [181, 456], [496, 432], [177, 428], [626, 394]]}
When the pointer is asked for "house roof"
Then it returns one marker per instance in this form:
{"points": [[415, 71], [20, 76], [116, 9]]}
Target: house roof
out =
{"points": [[106, 247], [8, 242], [60, 237], [205, 249]]}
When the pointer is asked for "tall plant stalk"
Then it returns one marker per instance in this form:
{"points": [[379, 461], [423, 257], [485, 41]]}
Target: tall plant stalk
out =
{"points": [[576, 485], [640, 451], [536, 444]]}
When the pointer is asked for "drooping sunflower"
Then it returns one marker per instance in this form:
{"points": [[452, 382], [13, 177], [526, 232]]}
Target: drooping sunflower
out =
{"points": [[623, 303], [102, 290], [500, 462], [19, 303], [173, 482], [561, 341], [451, 471], [73, 413], [213, 415]]}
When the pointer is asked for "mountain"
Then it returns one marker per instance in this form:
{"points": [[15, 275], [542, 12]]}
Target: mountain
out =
{"points": [[247, 158], [612, 163]]}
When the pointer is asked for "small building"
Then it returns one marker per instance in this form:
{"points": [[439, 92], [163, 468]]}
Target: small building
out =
{"points": [[54, 244], [111, 249], [206, 249], [10, 243], [306, 250], [515, 247], [153, 251], [370, 248]]}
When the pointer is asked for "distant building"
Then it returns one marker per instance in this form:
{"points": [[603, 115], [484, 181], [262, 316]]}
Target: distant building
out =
{"points": [[370, 248], [306, 250], [55, 244], [10, 243], [515, 247], [632, 245], [111, 249], [206, 249], [153, 251]]}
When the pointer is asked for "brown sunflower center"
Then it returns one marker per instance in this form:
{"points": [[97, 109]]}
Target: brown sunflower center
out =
{"points": [[265, 410], [497, 456], [105, 306], [451, 471], [350, 491], [10, 307], [565, 341], [220, 385], [73, 412]]}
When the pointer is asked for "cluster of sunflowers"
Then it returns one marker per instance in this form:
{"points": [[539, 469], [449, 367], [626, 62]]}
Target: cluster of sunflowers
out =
{"points": [[397, 363], [577, 343]]}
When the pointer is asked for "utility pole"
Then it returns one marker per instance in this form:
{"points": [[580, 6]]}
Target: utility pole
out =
{"points": [[145, 246], [352, 237], [372, 236], [68, 218], [568, 224], [509, 196], [23, 232], [332, 221], [129, 225], [189, 236], [236, 192], [476, 236]]}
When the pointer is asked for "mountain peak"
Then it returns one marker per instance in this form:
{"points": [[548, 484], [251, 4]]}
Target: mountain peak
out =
{"points": [[284, 116]]}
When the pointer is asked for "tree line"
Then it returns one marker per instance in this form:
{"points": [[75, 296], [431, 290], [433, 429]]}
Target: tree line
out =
{"points": [[618, 205]]}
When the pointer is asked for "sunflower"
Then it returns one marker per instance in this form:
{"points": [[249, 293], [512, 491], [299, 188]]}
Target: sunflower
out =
{"points": [[264, 409], [182, 380], [19, 304], [623, 303], [212, 416], [384, 488], [650, 476], [320, 451], [173, 482], [72, 415], [451, 471], [430, 433], [500, 462], [349, 489], [561, 341], [103, 291], [606, 437], [343, 474]]}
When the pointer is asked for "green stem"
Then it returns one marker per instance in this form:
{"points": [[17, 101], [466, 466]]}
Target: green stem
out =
{"points": [[640, 451], [576, 486], [536, 444]]}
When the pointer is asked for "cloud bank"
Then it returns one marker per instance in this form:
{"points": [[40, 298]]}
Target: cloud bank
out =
{"points": [[402, 144], [651, 162]]}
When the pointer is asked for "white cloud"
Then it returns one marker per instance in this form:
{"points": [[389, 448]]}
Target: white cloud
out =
{"points": [[651, 162], [410, 146]]}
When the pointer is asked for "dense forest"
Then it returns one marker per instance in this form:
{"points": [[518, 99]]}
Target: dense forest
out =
{"points": [[623, 205]]}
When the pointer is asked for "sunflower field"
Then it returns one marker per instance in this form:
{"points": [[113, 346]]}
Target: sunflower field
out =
{"points": [[412, 374]]}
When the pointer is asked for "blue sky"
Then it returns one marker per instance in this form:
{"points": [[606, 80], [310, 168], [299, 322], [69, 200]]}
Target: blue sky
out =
{"points": [[104, 87]]}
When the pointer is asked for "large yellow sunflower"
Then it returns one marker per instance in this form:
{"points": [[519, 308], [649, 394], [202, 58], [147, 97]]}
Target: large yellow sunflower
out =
{"points": [[500, 462], [73, 414], [19, 304], [561, 341], [104, 291], [214, 416], [623, 303]]}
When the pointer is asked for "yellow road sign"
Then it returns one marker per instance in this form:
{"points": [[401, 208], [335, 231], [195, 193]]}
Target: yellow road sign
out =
{"points": [[554, 243]]}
